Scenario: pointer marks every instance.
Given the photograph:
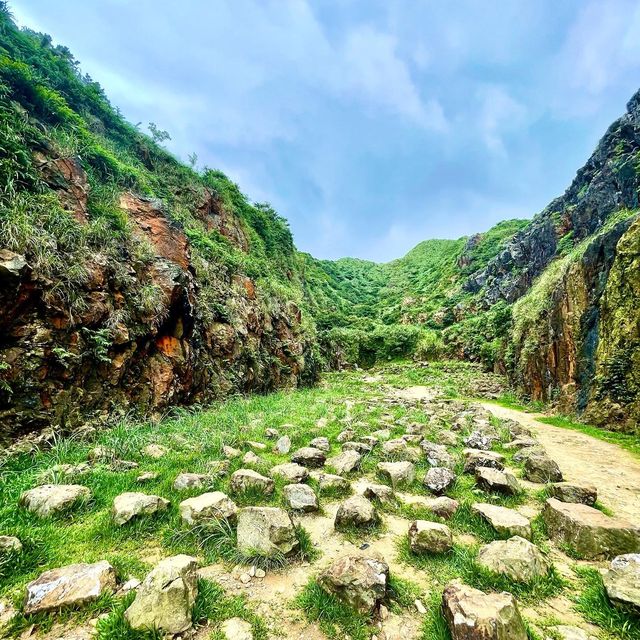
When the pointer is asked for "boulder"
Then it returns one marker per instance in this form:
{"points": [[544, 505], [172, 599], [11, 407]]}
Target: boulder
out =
{"points": [[283, 445], [588, 531], [474, 615], [356, 511], [479, 440], [439, 480], [71, 586], [521, 443], [399, 448], [186, 481], [50, 499], [429, 537], [330, 481], [290, 471], [539, 467], [230, 452], [266, 531], [236, 629], [569, 632], [474, 458], [272, 434], [214, 505], [321, 443], [309, 457], [489, 479], [360, 447], [437, 454], [622, 582], [9, 545], [250, 458], [345, 435], [506, 522], [147, 476], [516, 558], [300, 497], [256, 446], [345, 462], [130, 505], [359, 581], [398, 473], [165, 599], [381, 492], [570, 492], [246, 479]]}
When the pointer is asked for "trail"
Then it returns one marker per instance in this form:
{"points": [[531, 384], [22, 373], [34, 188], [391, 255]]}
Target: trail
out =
{"points": [[582, 458]]}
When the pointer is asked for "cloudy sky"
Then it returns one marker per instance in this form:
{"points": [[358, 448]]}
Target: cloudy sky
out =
{"points": [[369, 124]]}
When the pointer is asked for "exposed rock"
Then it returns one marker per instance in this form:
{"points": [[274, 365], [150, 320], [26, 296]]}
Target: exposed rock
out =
{"points": [[300, 497], [283, 445], [344, 462], [272, 434], [359, 581], [321, 443], [399, 473], [130, 505], [330, 481], [309, 457], [186, 481], [231, 452], [439, 480], [290, 471], [50, 499], [256, 446], [251, 458], [479, 440], [588, 531], [154, 451], [71, 586], [165, 599], [570, 492], [266, 531], [437, 455], [516, 558], [399, 448], [490, 479], [429, 537], [236, 629], [345, 435], [380, 492], [541, 468], [622, 581], [567, 632], [10, 545], [521, 443], [246, 479], [356, 511], [360, 447], [147, 476], [474, 458], [506, 522], [474, 615], [214, 505]]}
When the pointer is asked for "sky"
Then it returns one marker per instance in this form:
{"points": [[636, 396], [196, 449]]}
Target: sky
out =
{"points": [[369, 124]]}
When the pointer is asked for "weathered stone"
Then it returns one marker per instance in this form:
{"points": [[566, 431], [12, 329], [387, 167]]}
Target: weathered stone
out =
{"points": [[360, 447], [588, 531], [570, 492], [541, 468], [345, 462], [446, 438], [380, 492], [186, 481], [568, 632], [356, 511], [290, 471], [622, 581], [371, 441], [345, 435], [429, 537], [154, 451], [165, 599], [147, 476], [474, 615], [515, 558], [272, 434], [49, 499], [506, 522], [130, 505], [398, 473], [479, 440], [381, 434], [399, 448], [439, 479], [251, 458], [490, 479], [521, 443], [236, 629], [10, 545], [256, 446], [309, 457], [474, 458], [300, 497], [246, 479], [230, 452], [330, 481], [283, 445], [321, 443], [71, 586], [359, 581], [214, 505], [266, 531]]}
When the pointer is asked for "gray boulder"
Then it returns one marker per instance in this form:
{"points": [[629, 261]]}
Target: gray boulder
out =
{"points": [[50, 499], [429, 537], [356, 511], [398, 473], [300, 497], [539, 467], [246, 479], [491, 480], [622, 582], [345, 462], [516, 558], [290, 471], [570, 492], [214, 505], [439, 480], [266, 531], [131, 505], [309, 457]]}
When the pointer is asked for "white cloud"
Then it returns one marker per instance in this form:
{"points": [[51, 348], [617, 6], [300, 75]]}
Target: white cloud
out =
{"points": [[499, 114]]}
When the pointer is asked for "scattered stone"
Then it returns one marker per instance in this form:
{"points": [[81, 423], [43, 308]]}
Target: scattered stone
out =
{"points": [[155, 451], [147, 476], [474, 458], [245, 479], [231, 452], [541, 468], [130, 585], [330, 481], [622, 581], [515, 558], [186, 481], [218, 468], [309, 457], [381, 434], [301, 497], [356, 511], [71, 586], [290, 471], [588, 531], [54, 498], [399, 448], [525, 453], [260, 573], [166, 597], [506, 522], [490, 479], [474, 615], [446, 438], [429, 537], [10, 545], [123, 465], [360, 447], [272, 434], [214, 505], [479, 440], [570, 492], [412, 438], [439, 479], [420, 608], [267, 531], [521, 443], [380, 492], [345, 435], [251, 458], [437, 455], [100, 453], [130, 505], [236, 629], [369, 440], [398, 473], [345, 462], [567, 632], [359, 581], [256, 446], [283, 445], [321, 443]]}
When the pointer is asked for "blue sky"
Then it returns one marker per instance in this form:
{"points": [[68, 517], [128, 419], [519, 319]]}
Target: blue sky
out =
{"points": [[372, 124]]}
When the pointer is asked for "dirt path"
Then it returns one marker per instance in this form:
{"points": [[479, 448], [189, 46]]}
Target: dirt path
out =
{"points": [[611, 469]]}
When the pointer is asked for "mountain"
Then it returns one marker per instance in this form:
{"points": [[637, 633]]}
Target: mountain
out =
{"points": [[132, 282]]}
